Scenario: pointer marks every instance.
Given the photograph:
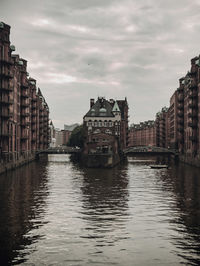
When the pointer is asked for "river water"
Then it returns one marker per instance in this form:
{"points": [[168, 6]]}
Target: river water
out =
{"points": [[53, 212]]}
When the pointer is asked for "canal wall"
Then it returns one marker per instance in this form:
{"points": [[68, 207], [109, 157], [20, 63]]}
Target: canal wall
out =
{"points": [[189, 159], [11, 161], [100, 160]]}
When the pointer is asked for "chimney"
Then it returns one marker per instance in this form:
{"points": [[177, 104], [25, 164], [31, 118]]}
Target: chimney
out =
{"points": [[111, 101], [91, 102]]}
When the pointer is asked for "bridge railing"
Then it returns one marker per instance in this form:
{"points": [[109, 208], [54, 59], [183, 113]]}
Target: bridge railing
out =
{"points": [[150, 149]]}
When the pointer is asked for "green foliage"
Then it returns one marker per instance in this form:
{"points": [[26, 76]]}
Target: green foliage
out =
{"points": [[77, 137]]}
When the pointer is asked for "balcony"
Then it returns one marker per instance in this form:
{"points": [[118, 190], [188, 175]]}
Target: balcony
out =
{"points": [[6, 113], [24, 103], [24, 85], [34, 107], [5, 100], [180, 113], [33, 128], [180, 121], [180, 98], [6, 87], [180, 106], [192, 94], [24, 94], [4, 132], [24, 122], [6, 75], [192, 105], [192, 84], [24, 136], [192, 124], [24, 113], [193, 138], [192, 114], [5, 61], [180, 130]]}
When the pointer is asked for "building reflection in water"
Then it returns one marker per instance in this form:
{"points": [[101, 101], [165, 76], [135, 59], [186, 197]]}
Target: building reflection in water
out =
{"points": [[105, 205], [22, 205], [184, 182]]}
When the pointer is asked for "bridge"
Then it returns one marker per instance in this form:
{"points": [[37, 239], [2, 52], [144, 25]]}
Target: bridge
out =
{"points": [[149, 150], [61, 150]]}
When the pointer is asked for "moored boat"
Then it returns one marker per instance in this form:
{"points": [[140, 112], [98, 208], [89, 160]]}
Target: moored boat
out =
{"points": [[158, 166]]}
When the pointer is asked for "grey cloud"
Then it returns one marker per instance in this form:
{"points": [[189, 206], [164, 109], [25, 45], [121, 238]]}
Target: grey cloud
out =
{"points": [[113, 48]]}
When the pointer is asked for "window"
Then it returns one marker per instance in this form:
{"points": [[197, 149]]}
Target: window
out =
{"points": [[97, 131], [108, 131]]}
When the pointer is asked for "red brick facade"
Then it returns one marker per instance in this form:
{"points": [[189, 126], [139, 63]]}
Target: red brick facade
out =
{"points": [[143, 134], [24, 114], [106, 126], [177, 127]]}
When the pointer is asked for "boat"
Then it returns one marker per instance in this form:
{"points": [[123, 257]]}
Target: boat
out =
{"points": [[158, 166]]}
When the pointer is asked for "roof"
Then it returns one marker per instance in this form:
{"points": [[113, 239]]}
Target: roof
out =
{"points": [[102, 108], [116, 107]]}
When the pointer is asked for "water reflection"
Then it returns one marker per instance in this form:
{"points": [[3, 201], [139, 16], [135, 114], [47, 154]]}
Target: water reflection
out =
{"points": [[22, 206], [184, 181], [105, 204], [57, 213]]}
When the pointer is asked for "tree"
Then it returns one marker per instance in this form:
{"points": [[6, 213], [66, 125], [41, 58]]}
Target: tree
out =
{"points": [[77, 137]]}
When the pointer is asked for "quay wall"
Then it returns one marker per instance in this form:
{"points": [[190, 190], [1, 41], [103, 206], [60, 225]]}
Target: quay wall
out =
{"points": [[100, 160], [13, 160], [189, 159]]}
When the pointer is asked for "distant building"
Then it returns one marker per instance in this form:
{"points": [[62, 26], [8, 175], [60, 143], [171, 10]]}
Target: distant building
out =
{"points": [[143, 134], [52, 140], [173, 121], [162, 128], [106, 126], [62, 137]]}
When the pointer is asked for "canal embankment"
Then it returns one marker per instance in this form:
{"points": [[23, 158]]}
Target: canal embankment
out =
{"points": [[13, 160]]}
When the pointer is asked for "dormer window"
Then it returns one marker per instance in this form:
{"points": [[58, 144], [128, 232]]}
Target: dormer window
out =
{"points": [[92, 112]]}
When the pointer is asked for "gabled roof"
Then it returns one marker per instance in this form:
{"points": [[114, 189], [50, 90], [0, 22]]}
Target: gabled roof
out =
{"points": [[102, 108], [116, 107]]}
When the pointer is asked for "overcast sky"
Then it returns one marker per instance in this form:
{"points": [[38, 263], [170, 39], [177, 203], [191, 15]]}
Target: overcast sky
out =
{"points": [[82, 49]]}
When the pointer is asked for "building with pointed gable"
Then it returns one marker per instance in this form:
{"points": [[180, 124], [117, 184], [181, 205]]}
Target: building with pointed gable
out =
{"points": [[104, 132]]}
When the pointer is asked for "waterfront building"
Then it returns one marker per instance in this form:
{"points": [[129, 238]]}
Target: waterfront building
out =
{"points": [[6, 89], [106, 131], [124, 128], [180, 116], [24, 113], [52, 132], [62, 137], [189, 112], [162, 128], [173, 121], [143, 134]]}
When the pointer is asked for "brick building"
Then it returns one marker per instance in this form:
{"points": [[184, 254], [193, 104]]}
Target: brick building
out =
{"points": [[179, 126], [173, 121], [143, 134], [189, 111], [162, 128], [24, 113], [106, 126]]}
